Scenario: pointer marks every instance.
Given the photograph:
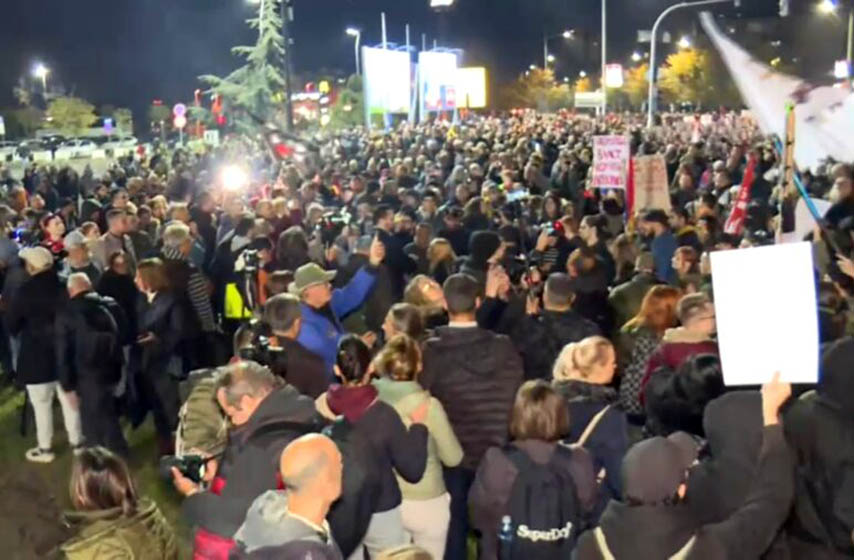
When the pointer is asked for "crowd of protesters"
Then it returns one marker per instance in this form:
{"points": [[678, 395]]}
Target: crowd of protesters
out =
{"points": [[427, 341]]}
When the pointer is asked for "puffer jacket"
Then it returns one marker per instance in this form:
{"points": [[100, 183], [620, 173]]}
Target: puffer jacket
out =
{"points": [[475, 374], [145, 535]]}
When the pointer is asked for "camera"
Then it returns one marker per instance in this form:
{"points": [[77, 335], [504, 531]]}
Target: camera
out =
{"points": [[251, 260], [554, 229], [191, 466], [259, 348], [332, 224]]}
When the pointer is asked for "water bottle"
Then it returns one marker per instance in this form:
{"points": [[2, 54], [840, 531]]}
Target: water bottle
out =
{"points": [[505, 539]]}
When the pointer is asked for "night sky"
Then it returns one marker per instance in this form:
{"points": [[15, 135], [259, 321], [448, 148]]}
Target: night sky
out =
{"points": [[128, 52]]}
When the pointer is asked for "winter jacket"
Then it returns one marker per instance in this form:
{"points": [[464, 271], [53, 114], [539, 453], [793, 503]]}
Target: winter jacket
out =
{"points": [[395, 447], [251, 460], [145, 535], [609, 440], [301, 368], [474, 373], [108, 244], [676, 347], [269, 524], [626, 298], [443, 448], [121, 288], [820, 429], [591, 300], [540, 339], [489, 495], [659, 531], [89, 341], [319, 334], [166, 318], [398, 263], [30, 315], [190, 285], [718, 485]]}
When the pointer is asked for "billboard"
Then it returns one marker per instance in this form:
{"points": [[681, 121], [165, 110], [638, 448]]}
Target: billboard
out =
{"points": [[386, 76], [471, 87], [437, 76]]}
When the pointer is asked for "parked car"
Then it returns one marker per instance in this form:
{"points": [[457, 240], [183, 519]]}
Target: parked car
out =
{"points": [[7, 151], [27, 147], [75, 148]]}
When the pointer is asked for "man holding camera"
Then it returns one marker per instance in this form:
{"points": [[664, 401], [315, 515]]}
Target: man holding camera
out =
{"points": [[264, 416], [323, 307], [292, 361]]}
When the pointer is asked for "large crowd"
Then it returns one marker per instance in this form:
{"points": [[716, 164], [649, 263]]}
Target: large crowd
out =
{"points": [[436, 341]]}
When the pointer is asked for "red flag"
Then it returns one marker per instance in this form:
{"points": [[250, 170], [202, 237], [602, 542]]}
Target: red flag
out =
{"points": [[735, 223], [630, 189]]}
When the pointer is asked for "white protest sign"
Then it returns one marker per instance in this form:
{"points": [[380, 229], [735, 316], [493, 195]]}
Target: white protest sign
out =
{"points": [[765, 303], [610, 162], [212, 137], [804, 222], [651, 188]]}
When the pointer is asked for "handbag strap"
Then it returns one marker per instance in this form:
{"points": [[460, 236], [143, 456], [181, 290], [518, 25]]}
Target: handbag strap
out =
{"points": [[588, 431]]}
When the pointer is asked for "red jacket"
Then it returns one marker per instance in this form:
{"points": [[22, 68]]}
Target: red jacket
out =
{"points": [[676, 347]]}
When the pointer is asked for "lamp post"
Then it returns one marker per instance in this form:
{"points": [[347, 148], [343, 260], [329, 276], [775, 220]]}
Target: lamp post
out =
{"points": [[357, 36], [568, 34], [652, 51], [829, 7], [41, 71]]}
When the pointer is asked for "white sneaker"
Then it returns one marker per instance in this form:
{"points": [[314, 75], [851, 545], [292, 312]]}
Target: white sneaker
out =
{"points": [[37, 455]]}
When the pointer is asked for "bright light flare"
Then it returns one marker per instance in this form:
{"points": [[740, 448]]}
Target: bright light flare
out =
{"points": [[40, 71], [567, 34], [353, 32], [684, 43], [636, 56], [550, 58], [827, 6], [234, 178]]}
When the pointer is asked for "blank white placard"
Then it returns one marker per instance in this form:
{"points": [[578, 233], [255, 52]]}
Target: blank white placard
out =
{"points": [[767, 318]]}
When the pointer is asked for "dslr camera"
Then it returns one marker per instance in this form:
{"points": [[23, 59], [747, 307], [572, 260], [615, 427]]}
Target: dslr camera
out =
{"points": [[259, 349], [332, 224], [191, 466]]}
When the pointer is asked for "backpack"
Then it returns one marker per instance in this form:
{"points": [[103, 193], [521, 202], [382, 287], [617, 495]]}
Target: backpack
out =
{"points": [[606, 553], [544, 509], [201, 423]]}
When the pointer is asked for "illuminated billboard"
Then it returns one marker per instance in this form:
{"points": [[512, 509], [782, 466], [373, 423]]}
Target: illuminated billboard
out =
{"points": [[471, 87], [437, 81], [386, 76]]}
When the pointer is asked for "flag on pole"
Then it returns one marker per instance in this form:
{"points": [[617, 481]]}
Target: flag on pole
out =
{"points": [[735, 223]]}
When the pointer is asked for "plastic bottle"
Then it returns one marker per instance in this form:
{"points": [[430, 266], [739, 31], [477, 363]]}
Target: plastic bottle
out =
{"points": [[505, 538]]}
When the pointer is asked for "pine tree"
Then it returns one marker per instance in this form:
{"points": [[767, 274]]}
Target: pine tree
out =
{"points": [[252, 87]]}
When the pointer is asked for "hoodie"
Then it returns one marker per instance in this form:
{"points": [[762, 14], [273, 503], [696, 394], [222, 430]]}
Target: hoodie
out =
{"points": [[474, 373], [269, 523]]}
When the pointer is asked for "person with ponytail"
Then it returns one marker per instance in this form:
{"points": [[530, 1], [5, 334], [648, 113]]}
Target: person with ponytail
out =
{"points": [[394, 446], [582, 375], [109, 515], [425, 506]]}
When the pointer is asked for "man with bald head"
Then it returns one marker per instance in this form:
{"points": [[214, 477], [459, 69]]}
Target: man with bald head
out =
{"points": [[295, 518], [89, 338]]}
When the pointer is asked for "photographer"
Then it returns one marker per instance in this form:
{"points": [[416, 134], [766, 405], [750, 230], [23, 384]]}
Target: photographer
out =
{"points": [[291, 360], [264, 417]]}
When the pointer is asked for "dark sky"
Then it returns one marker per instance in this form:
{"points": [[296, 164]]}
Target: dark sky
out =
{"points": [[128, 52]]}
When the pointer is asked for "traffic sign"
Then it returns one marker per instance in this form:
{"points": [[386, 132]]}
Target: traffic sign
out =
{"points": [[108, 126], [212, 137], [180, 121], [179, 110]]}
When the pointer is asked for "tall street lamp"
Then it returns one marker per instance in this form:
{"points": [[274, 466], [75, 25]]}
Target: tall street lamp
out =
{"points": [[357, 35], [829, 7], [568, 34], [41, 71]]}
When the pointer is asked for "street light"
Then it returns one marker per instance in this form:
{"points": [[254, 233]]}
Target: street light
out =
{"points": [[41, 71], [827, 6], [357, 35], [566, 79], [636, 56], [532, 67], [684, 43], [550, 58], [567, 34], [582, 74]]}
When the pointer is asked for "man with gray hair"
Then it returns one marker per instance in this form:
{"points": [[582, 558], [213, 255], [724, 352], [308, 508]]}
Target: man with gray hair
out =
{"points": [[265, 415], [89, 337], [189, 285]]}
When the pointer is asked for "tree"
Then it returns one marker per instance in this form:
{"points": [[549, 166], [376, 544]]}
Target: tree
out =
{"points": [[349, 108], [22, 122], [23, 92], [537, 89], [71, 115], [636, 85], [253, 86], [582, 85], [157, 113], [124, 120], [686, 77]]}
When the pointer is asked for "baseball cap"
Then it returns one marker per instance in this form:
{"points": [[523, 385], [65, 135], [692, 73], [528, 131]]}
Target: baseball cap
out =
{"points": [[309, 275], [37, 257], [653, 469]]}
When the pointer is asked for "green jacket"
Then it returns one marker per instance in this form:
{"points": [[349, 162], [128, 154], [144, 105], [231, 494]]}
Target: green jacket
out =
{"points": [[110, 535], [443, 448], [626, 298]]}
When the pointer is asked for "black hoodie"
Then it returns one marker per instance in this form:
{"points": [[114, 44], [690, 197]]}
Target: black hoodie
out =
{"points": [[475, 374]]}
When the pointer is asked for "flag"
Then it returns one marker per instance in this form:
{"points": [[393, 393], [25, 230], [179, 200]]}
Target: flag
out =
{"points": [[630, 189], [735, 223]]}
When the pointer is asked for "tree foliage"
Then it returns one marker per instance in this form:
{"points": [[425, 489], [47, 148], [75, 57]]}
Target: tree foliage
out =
{"points": [[686, 77], [636, 86], [253, 86], [71, 115], [124, 119], [22, 122], [583, 85], [538, 89], [349, 109], [157, 113]]}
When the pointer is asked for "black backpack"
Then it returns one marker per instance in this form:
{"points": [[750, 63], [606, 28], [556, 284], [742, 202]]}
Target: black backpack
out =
{"points": [[544, 509]]}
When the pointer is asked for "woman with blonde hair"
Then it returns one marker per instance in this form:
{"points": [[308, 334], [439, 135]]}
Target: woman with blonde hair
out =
{"points": [[440, 259], [639, 338], [110, 516], [427, 295], [582, 375], [426, 504]]}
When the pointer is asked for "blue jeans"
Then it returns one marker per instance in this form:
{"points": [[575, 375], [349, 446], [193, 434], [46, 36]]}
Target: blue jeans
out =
{"points": [[458, 480]]}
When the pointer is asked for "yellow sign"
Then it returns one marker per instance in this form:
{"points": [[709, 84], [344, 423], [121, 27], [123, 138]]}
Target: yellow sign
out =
{"points": [[324, 87], [471, 88]]}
